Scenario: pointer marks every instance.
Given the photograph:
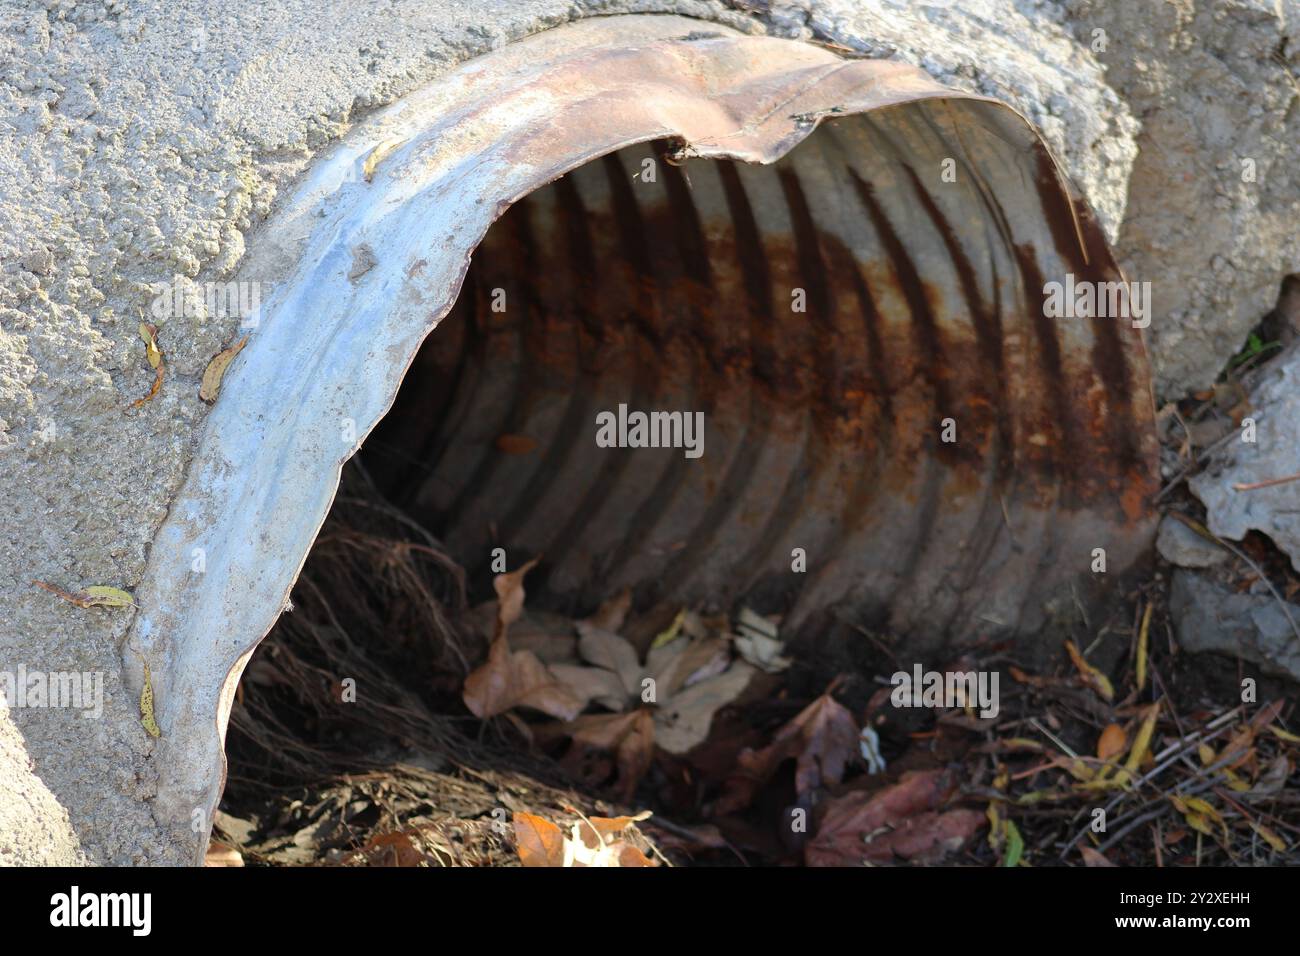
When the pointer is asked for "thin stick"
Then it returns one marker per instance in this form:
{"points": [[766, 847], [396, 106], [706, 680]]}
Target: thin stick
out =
{"points": [[1269, 483]]}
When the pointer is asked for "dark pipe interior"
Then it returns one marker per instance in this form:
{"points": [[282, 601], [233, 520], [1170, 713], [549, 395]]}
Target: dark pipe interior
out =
{"points": [[826, 314], [669, 295]]}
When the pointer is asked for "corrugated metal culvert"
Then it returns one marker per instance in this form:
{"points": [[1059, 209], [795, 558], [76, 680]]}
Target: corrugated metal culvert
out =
{"points": [[839, 264]]}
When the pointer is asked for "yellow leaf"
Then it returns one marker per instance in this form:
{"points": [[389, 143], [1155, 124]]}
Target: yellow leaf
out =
{"points": [[97, 596], [1141, 745], [670, 635], [100, 596], [377, 156], [146, 705], [1269, 837], [216, 370], [1206, 753], [1235, 783], [1144, 634], [1284, 735], [1199, 814], [151, 352], [1091, 675]]}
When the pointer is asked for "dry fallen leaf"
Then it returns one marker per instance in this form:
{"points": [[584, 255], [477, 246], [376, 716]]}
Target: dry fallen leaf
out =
{"points": [[683, 721], [216, 370], [1111, 743], [377, 156], [901, 821], [1270, 837], [629, 737], [517, 679], [1093, 677], [539, 841], [822, 740], [1141, 745], [219, 854], [593, 841], [1092, 858], [688, 681], [96, 596], [146, 705], [155, 358], [510, 595]]}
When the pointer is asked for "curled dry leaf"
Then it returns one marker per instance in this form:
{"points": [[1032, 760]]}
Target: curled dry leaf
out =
{"points": [[1093, 677], [822, 740], [593, 841], [1092, 857], [154, 356], [510, 595], [901, 821], [377, 156], [147, 719], [517, 679], [216, 370], [95, 596]]}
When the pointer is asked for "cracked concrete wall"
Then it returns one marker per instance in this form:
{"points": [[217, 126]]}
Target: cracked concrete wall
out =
{"points": [[142, 142], [1214, 199]]}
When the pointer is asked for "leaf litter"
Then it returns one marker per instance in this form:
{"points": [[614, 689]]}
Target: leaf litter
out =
{"points": [[508, 732]]}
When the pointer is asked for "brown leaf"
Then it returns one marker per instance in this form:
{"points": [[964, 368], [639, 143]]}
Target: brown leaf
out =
{"points": [[539, 842], [507, 680], [628, 855], [607, 827], [1112, 742], [897, 821], [822, 739], [510, 595], [612, 614], [1093, 858], [926, 838], [216, 371], [220, 854], [630, 738]]}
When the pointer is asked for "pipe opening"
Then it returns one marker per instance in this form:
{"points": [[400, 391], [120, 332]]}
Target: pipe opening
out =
{"points": [[863, 427], [703, 297]]}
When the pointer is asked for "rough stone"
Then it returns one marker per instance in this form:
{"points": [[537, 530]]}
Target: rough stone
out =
{"points": [[1255, 627], [1273, 511], [1215, 191], [1180, 545]]}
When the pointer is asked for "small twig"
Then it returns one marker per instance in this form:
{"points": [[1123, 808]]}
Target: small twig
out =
{"points": [[1269, 483], [1178, 478]]}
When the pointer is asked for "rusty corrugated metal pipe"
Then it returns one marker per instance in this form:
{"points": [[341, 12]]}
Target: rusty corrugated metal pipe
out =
{"points": [[839, 263]]}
